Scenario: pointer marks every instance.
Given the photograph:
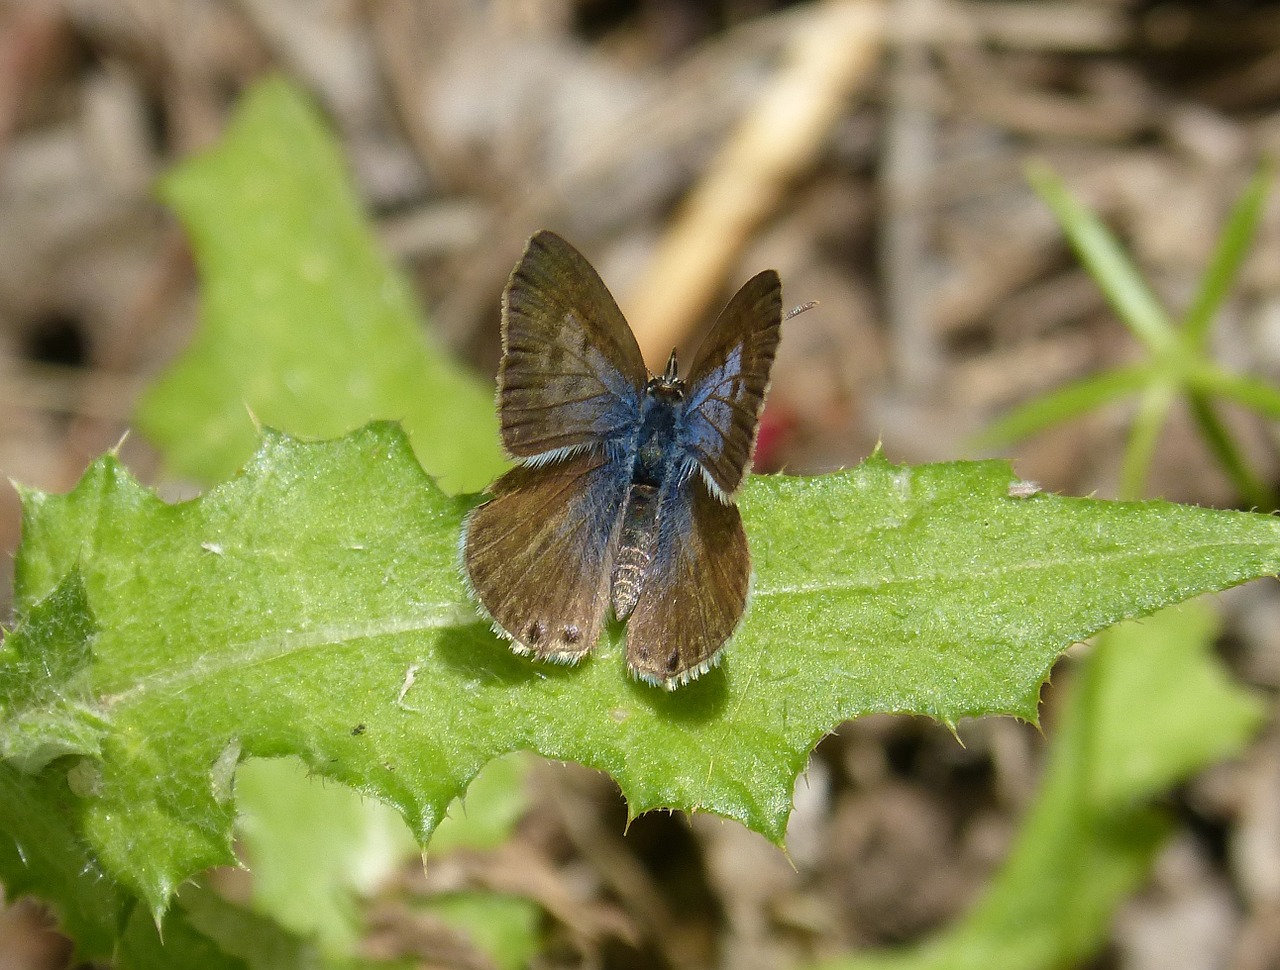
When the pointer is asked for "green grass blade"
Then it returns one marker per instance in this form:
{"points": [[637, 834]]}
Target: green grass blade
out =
{"points": [[1250, 487], [1253, 392], [43, 854], [1233, 247], [1063, 404], [1106, 261], [1152, 412]]}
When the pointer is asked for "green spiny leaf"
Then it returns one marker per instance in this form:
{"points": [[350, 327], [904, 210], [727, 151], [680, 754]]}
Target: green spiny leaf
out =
{"points": [[43, 853], [45, 705], [304, 322], [319, 590]]}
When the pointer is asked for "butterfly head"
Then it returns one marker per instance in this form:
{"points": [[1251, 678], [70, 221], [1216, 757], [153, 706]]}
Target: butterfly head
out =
{"points": [[667, 385]]}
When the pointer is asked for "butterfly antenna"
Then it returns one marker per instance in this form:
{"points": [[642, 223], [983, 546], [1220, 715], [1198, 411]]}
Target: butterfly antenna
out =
{"points": [[673, 368], [796, 311]]}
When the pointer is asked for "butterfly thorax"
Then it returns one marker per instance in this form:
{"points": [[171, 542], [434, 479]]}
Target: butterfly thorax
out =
{"points": [[658, 459]]}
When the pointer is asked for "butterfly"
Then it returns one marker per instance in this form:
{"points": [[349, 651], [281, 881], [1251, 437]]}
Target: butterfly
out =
{"points": [[623, 496]]}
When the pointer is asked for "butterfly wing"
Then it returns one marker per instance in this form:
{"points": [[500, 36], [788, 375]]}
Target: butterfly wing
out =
{"points": [[538, 555], [728, 382], [571, 372], [695, 589]]}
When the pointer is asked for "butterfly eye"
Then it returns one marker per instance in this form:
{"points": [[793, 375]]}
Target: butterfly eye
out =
{"points": [[572, 634]]}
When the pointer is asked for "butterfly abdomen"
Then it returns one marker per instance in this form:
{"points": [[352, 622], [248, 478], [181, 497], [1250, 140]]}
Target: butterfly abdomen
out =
{"points": [[636, 546]]}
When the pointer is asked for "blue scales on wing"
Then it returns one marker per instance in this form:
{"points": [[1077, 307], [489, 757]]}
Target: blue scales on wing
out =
{"points": [[728, 383]]}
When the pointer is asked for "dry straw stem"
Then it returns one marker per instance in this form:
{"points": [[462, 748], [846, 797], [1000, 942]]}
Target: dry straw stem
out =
{"points": [[830, 57]]}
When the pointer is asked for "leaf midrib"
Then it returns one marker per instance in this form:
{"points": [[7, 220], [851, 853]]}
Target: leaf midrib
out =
{"points": [[970, 576], [249, 653]]}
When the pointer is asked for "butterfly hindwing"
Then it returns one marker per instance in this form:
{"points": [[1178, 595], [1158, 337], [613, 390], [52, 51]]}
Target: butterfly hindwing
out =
{"points": [[729, 379], [539, 554], [695, 589], [571, 374]]}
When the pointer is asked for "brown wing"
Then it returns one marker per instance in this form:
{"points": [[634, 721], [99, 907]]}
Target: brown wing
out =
{"points": [[695, 589], [538, 555], [571, 372], [729, 379]]}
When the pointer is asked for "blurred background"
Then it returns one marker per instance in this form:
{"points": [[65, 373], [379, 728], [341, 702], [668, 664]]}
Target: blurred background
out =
{"points": [[874, 154]]}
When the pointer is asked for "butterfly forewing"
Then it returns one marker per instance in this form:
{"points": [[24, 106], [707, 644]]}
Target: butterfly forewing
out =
{"points": [[694, 590], [539, 554], [729, 379], [571, 373]]}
